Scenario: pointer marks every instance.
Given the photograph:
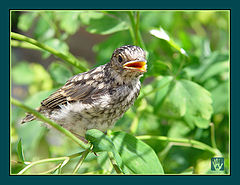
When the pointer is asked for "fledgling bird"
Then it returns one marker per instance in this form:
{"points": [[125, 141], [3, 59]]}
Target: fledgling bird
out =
{"points": [[98, 98]]}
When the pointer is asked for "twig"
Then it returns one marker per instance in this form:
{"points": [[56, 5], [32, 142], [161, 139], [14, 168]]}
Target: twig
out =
{"points": [[192, 143], [66, 57], [50, 122], [64, 159], [214, 145], [42, 161], [116, 168], [84, 155]]}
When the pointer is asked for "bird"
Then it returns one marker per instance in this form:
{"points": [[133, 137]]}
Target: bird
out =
{"points": [[96, 99]]}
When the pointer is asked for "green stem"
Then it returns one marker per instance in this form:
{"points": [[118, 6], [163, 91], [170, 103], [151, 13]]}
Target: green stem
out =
{"points": [[134, 124], [116, 168], [42, 161], [139, 36], [154, 90], [136, 29], [51, 170], [50, 122], [84, 155], [64, 159], [132, 28], [66, 57], [50, 22], [25, 45], [183, 142], [214, 145]]}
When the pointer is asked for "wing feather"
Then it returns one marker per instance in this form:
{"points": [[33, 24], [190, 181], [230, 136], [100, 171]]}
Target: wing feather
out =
{"points": [[73, 91]]}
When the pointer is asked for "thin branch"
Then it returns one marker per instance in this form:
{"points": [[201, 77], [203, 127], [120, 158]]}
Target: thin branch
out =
{"points": [[64, 159], [214, 145], [42, 161], [192, 143], [51, 170], [131, 28], [116, 168], [50, 122], [153, 91], [84, 155], [134, 124], [25, 45], [66, 57], [134, 29]]}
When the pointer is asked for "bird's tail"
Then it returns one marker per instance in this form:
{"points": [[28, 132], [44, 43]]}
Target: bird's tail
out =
{"points": [[29, 117]]}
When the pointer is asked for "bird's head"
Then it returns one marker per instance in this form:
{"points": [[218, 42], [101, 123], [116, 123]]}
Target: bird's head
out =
{"points": [[129, 60]]}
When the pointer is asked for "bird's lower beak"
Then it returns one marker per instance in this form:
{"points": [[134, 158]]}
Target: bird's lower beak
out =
{"points": [[136, 65]]}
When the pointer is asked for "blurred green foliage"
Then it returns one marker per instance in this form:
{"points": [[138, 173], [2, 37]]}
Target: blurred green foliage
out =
{"points": [[185, 89]]}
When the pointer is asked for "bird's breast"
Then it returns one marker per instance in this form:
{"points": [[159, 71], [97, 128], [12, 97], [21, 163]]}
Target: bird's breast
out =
{"points": [[102, 113]]}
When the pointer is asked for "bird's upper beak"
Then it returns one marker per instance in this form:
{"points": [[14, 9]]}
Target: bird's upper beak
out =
{"points": [[136, 65]]}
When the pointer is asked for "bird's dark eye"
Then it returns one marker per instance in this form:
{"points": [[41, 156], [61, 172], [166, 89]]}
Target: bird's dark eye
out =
{"points": [[120, 59]]}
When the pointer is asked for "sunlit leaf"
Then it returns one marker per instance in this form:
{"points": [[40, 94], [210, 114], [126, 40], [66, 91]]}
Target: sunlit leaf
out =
{"points": [[30, 140], [178, 129], [161, 34], [69, 21], [104, 162], [136, 155], [86, 16], [26, 20], [59, 72], [57, 45], [42, 80], [23, 70], [35, 100], [189, 100], [215, 69], [44, 29], [220, 97], [110, 22], [197, 70], [102, 142]]}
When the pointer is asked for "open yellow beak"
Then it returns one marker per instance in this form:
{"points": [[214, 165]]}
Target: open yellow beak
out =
{"points": [[136, 65]]}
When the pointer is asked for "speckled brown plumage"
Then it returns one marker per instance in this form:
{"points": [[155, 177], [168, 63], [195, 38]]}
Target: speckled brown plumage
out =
{"points": [[99, 97]]}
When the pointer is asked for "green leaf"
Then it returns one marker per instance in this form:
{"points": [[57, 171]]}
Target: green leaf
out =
{"points": [[69, 21], [188, 100], [59, 72], [44, 29], [35, 100], [220, 96], [197, 70], [22, 74], [157, 67], [102, 142], [20, 151], [57, 44], [162, 85], [215, 69], [42, 80], [136, 155], [31, 134], [178, 129], [109, 22], [26, 20], [86, 16], [161, 34], [104, 161]]}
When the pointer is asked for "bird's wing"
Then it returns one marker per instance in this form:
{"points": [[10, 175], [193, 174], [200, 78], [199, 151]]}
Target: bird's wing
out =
{"points": [[73, 91]]}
